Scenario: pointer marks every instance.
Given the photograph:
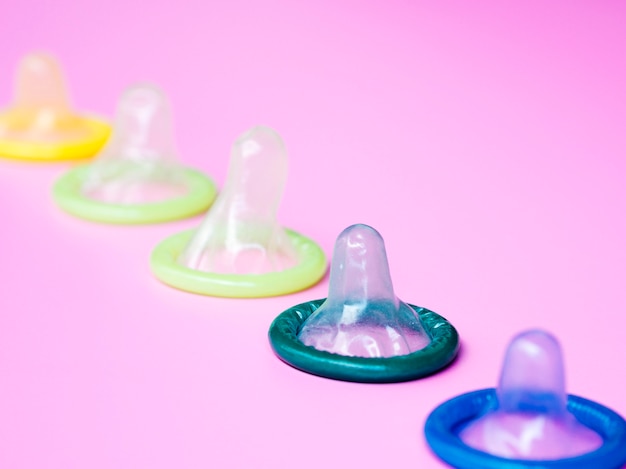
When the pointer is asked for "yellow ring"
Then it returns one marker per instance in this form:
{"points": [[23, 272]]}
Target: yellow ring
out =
{"points": [[61, 151]]}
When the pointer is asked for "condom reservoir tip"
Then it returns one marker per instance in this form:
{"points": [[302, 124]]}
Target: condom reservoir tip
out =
{"points": [[362, 316], [528, 418], [240, 249], [362, 331], [137, 177], [41, 124]]}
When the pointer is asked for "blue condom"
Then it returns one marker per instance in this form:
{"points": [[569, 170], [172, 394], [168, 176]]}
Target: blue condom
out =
{"points": [[528, 421]]}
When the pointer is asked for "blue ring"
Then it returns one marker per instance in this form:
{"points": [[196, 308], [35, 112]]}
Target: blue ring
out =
{"points": [[444, 423]]}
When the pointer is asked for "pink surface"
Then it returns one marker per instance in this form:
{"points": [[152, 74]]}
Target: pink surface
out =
{"points": [[485, 142]]}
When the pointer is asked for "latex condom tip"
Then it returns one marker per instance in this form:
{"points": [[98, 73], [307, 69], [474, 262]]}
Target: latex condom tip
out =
{"points": [[362, 316], [532, 420]]}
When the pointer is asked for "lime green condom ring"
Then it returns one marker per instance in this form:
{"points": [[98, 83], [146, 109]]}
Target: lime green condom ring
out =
{"points": [[441, 351], [306, 273], [199, 197]]}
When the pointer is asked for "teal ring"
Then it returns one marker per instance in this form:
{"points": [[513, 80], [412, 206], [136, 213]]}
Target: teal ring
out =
{"points": [[443, 348]]}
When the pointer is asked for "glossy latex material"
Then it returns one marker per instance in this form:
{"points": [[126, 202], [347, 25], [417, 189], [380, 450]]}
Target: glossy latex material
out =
{"points": [[531, 420], [240, 234], [41, 123], [309, 270], [136, 177], [139, 163], [240, 250], [362, 317], [444, 424], [442, 349]]}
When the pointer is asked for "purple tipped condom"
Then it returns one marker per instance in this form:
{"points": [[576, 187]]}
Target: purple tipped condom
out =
{"points": [[362, 317], [528, 421], [532, 420], [532, 377]]}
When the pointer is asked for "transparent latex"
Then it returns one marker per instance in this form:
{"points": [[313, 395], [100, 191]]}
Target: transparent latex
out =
{"points": [[240, 234], [532, 421], [362, 316], [41, 111], [139, 162]]}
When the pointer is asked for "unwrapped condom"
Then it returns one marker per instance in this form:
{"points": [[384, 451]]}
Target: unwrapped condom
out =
{"points": [[529, 420], [136, 178], [240, 249], [41, 124], [362, 331]]}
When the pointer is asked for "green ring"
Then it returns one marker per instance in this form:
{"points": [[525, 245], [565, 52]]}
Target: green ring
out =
{"points": [[441, 351], [67, 194], [307, 273]]}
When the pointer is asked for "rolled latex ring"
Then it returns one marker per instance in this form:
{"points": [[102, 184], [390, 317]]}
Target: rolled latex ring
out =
{"points": [[59, 151], [443, 424], [306, 273], [444, 345], [67, 194]]}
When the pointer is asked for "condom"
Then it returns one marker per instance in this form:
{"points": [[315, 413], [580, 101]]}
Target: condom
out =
{"points": [[529, 420], [41, 125], [136, 178], [240, 250], [362, 331]]}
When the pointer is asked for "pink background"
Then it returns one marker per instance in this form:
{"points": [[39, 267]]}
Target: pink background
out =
{"points": [[486, 142]]}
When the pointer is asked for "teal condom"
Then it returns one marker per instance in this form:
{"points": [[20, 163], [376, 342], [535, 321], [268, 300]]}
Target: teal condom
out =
{"points": [[137, 177], [362, 331], [240, 249]]}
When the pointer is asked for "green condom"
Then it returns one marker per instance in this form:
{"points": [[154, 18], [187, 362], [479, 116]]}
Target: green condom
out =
{"points": [[240, 250], [136, 178]]}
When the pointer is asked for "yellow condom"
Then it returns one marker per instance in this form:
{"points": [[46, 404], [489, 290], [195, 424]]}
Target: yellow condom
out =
{"points": [[41, 124]]}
